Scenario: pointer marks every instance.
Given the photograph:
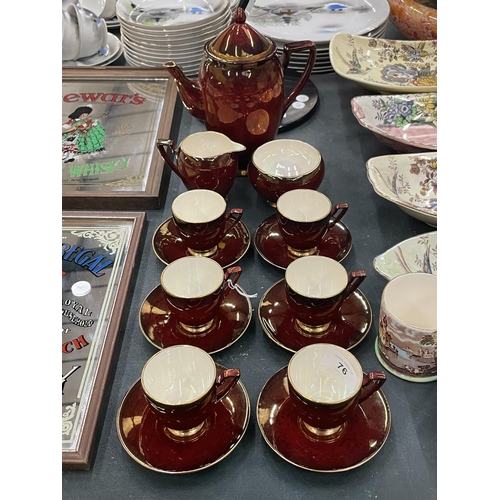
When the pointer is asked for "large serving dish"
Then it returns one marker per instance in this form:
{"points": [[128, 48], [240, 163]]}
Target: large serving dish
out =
{"points": [[414, 255], [416, 19], [386, 66], [406, 123], [409, 181]]}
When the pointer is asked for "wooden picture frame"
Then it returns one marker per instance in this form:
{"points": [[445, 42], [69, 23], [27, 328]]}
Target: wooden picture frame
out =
{"points": [[111, 120], [99, 253]]}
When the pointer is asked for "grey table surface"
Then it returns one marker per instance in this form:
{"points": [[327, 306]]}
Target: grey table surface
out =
{"points": [[405, 467]]}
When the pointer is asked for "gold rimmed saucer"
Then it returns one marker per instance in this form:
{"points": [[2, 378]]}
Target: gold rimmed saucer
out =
{"points": [[142, 434], [169, 245], [160, 327], [365, 433]]}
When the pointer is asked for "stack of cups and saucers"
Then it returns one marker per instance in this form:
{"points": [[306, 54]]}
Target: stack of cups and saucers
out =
{"points": [[86, 41], [286, 23], [154, 31]]}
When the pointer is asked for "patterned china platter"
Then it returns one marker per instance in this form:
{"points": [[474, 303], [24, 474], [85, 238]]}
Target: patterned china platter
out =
{"points": [[409, 181], [171, 13], [295, 20], [414, 255], [386, 66], [406, 123]]}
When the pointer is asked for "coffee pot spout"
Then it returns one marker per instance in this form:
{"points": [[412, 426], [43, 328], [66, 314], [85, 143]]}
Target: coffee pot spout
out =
{"points": [[189, 90]]}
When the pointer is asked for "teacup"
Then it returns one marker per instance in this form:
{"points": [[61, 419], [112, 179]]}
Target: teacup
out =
{"points": [[92, 29], [70, 35], [109, 9], [281, 165], [326, 383], [202, 219], [304, 217], [407, 336], [194, 288], [316, 286], [181, 385], [204, 160]]}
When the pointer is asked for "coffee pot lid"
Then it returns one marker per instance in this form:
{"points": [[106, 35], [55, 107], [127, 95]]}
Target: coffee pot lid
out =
{"points": [[240, 43]]}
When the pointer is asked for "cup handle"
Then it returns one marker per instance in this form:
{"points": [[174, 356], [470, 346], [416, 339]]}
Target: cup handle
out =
{"points": [[160, 145], [225, 381], [372, 382], [338, 212], [355, 279], [233, 274], [233, 217], [301, 46]]}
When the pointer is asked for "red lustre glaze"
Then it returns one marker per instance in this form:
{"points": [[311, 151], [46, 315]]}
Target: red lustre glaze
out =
{"points": [[215, 174], [272, 188], [160, 325], [349, 327], [269, 243], [169, 244], [319, 311], [322, 416], [143, 433], [199, 311], [240, 89], [204, 236], [304, 236], [364, 435]]}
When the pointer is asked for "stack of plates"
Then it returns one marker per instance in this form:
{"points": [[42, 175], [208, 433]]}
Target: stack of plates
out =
{"points": [[156, 31], [296, 20]]}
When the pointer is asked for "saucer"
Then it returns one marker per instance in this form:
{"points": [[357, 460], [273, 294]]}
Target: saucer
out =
{"points": [[277, 320], [143, 438], [159, 325], [336, 244], [168, 244], [364, 436]]}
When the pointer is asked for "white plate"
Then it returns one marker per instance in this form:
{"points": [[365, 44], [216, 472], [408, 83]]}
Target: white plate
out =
{"points": [[315, 20], [115, 49], [414, 255], [153, 14]]}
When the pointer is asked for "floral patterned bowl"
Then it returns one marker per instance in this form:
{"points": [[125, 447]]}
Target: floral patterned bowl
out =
{"points": [[414, 255], [406, 123], [416, 19], [386, 66], [409, 181]]}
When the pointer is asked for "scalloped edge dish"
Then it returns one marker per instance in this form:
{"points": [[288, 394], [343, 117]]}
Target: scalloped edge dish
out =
{"points": [[387, 176], [413, 255], [385, 65], [406, 123]]}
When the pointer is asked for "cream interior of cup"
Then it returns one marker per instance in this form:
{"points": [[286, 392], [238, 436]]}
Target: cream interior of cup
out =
{"points": [[192, 277], [198, 205], [178, 375], [286, 158], [316, 277], [325, 373], [304, 205], [209, 144], [412, 299]]}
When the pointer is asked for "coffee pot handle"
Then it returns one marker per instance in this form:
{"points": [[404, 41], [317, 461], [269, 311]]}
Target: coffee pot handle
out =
{"points": [[288, 49], [372, 382], [225, 381]]}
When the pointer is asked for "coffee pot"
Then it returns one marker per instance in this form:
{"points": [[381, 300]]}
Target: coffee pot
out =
{"points": [[240, 89]]}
